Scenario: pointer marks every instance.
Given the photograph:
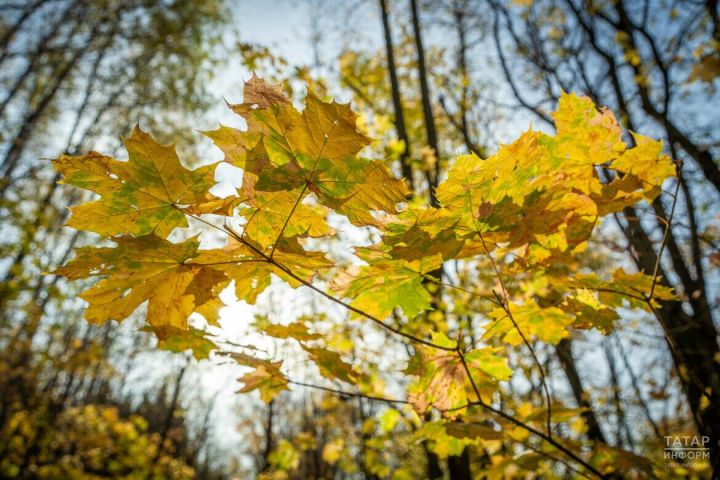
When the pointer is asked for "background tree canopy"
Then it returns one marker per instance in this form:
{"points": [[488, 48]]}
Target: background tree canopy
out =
{"points": [[448, 239]]}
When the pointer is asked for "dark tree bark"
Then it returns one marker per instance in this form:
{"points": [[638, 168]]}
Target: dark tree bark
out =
{"points": [[429, 120], [269, 441], [564, 353], [168, 421], [622, 429], [399, 118], [462, 125], [459, 467]]}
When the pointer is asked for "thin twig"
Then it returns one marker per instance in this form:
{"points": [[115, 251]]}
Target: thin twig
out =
{"points": [[346, 393], [664, 241], [504, 303], [457, 287]]}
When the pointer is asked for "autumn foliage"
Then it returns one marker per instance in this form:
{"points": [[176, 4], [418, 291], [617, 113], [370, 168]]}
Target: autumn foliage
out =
{"points": [[522, 219]]}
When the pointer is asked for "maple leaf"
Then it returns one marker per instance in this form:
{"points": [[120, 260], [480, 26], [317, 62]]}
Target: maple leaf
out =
{"points": [[538, 190], [233, 143], [331, 364], [146, 194], [624, 289], [259, 95], [586, 135], [507, 198], [325, 130], [321, 130], [252, 271], [356, 187], [193, 339], [547, 324], [440, 439], [210, 309], [270, 214], [239, 262], [425, 232], [386, 284], [640, 174], [472, 430], [288, 156], [526, 209], [266, 376], [589, 311], [297, 330], [140, 269], [315, 152], [442, 379]]}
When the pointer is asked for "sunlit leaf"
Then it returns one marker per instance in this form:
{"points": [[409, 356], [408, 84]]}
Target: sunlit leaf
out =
{"points": [[146, 194]]}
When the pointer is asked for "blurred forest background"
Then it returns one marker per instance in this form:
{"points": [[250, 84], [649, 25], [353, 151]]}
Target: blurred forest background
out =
{"points": [[432, 79]]}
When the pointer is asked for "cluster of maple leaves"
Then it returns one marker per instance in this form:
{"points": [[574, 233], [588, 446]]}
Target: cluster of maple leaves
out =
{"points": [[527, 211]]}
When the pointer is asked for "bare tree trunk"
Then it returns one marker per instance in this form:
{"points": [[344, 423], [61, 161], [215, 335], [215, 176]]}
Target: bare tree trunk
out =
{"points": [[434, 471], [462, 126], [396, 96], [564, 353], [459, 466], [622, 428], [433, 178], [638, 393], [269, 442], [167, 424]]}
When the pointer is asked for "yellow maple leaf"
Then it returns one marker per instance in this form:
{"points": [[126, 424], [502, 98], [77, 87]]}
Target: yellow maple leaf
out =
{"points": [[146, 194], [140, 269]]}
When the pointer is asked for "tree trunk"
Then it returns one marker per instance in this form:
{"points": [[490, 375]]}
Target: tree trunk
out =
{"points": [[396, 96], [564, 353], [269, 443], [432, 178], [459, 466]]}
